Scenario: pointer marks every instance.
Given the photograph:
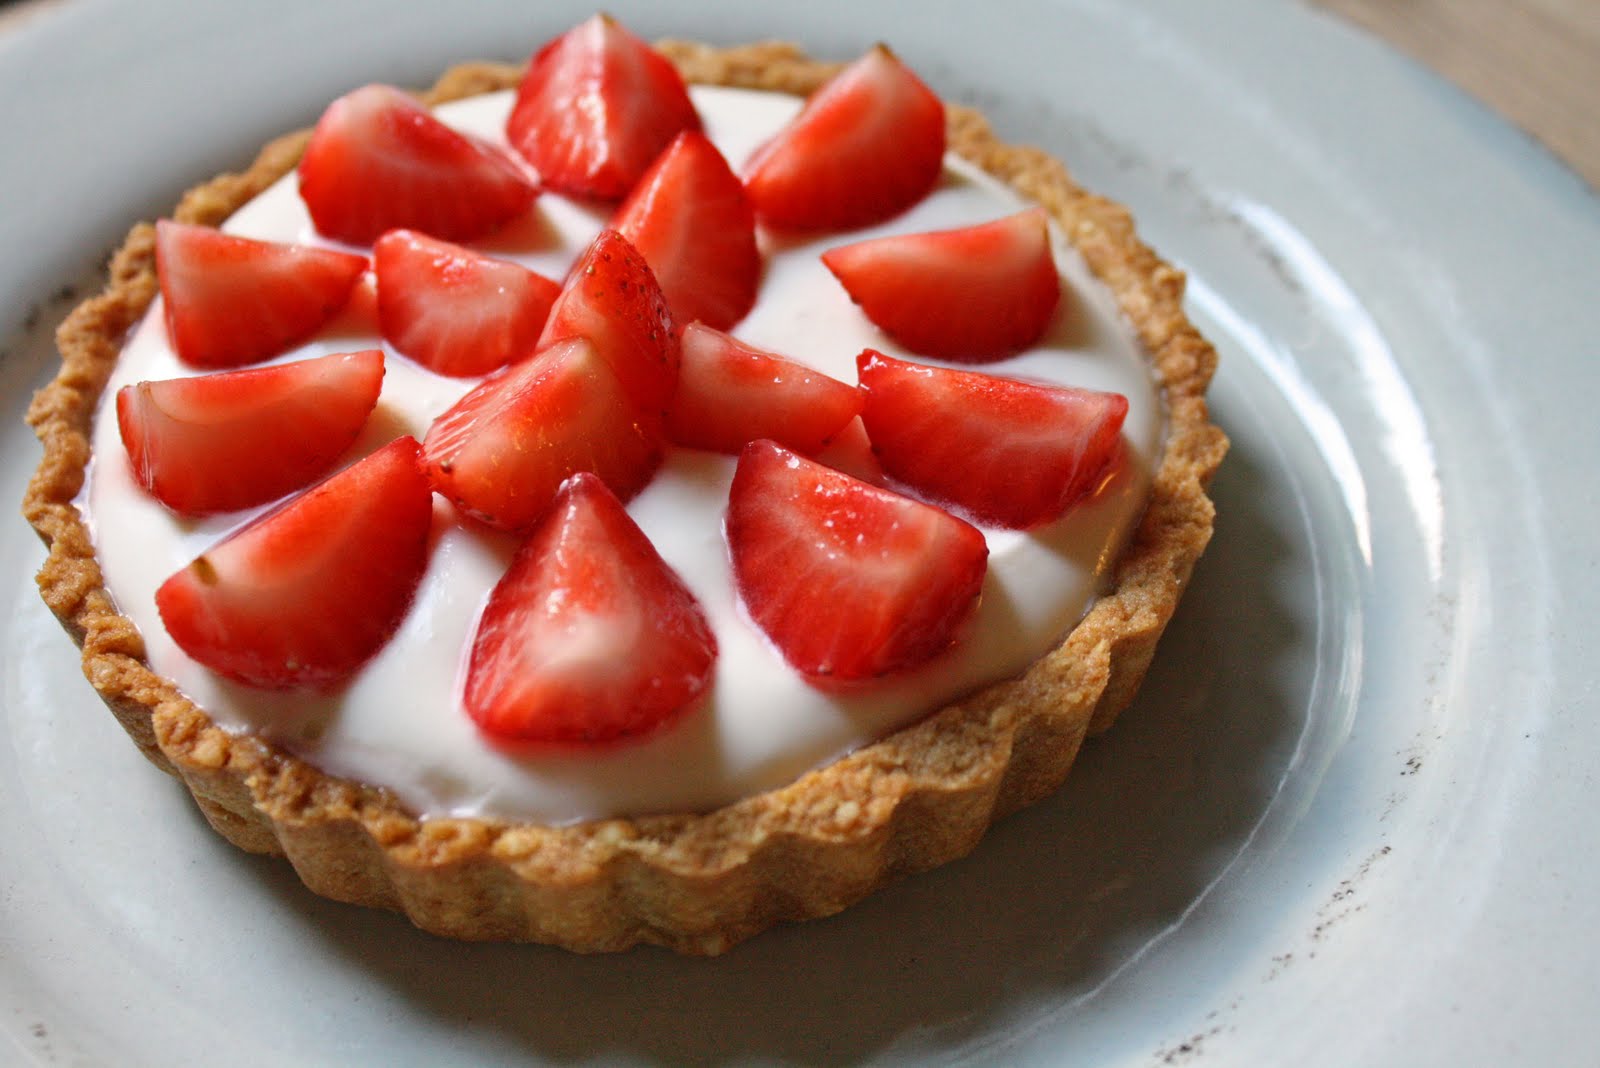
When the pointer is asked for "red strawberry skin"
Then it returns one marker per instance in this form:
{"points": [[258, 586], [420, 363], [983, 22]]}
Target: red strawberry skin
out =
{"points": [[975, 294], [612, 298], [236, 439], [456, 311], [378, 160], [501, 452], [595, 108], [1007, 452], [691, 220], [229, 301], [729, 394], [868, 145], [850, 581], [589, 638], [304, 595]]}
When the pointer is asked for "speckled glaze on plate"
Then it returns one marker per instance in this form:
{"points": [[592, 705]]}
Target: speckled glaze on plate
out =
{"points": [[1345, 820]]}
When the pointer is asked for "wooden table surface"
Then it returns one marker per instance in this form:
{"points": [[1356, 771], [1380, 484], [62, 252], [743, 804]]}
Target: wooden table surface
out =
{"points": [[1536, 62]]}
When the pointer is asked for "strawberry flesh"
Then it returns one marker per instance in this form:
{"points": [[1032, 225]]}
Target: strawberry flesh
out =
{"points": [[850, 451], [868, 145], [456, 311], [1007, 452], [595, 108], [612, 298], [691, 220], [378, 160], [501, 452], [304, 595], [590, 637], [974, 294], [235, 439], [729, 394], [848, 580], [229, 300]]}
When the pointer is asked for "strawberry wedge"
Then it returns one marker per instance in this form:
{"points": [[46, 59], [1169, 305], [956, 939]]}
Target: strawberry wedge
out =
{"points": [[974, 294], [868, 145], [456, 311], [589, 638], [303, 596], [235, 439], [1010, 453], [378, 160], [596, 107], [612, 298], [230, 301], [849, 581], [729, 394], [691, 220], [501, 452]]}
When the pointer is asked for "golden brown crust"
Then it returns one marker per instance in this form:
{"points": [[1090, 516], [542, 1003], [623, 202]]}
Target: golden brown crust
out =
{"points": [[697, 883]]}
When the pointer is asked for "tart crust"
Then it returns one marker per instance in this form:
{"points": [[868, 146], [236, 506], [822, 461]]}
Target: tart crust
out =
{"points": [[694, 882]]}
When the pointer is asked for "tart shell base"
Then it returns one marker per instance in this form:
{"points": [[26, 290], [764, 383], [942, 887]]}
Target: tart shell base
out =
{"points": [[697, 882]]}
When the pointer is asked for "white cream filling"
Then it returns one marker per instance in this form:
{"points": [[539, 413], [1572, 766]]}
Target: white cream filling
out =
{"points": [[400, 723]]}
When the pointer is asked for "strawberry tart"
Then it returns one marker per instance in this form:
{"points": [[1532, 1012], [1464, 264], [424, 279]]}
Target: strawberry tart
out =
{"points": [[641, 496]]}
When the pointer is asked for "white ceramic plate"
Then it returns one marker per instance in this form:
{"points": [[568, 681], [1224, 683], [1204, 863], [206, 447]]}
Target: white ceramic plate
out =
{"points": [[1348, 820]]}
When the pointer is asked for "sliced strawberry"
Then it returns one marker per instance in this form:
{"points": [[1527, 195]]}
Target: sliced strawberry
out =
{"points": [[378, 160], [867, 146], [730, 394], [850, 451], [848, 580], [690, 219], [454, 310], [590, 637], [501, 452], [611, 297], [359, 316], [1008, 452], [220, 442], [595, 108], [233, 300], [979, 293], [307, 593]]}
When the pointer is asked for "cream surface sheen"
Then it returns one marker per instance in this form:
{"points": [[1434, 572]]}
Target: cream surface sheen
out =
{"points": [[400, 722]]}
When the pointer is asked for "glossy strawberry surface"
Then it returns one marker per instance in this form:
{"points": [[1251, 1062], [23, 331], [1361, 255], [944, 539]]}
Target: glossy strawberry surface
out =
{"points": [[690, 218], [595, 108], [378, 160], [973, 294], [729, 394], [850, 581], [501, 452], [302, 596], [868, 145], [230, 301], [456, 311], [590, 637], [1007, 452], [612, 298], [235, 439]]}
